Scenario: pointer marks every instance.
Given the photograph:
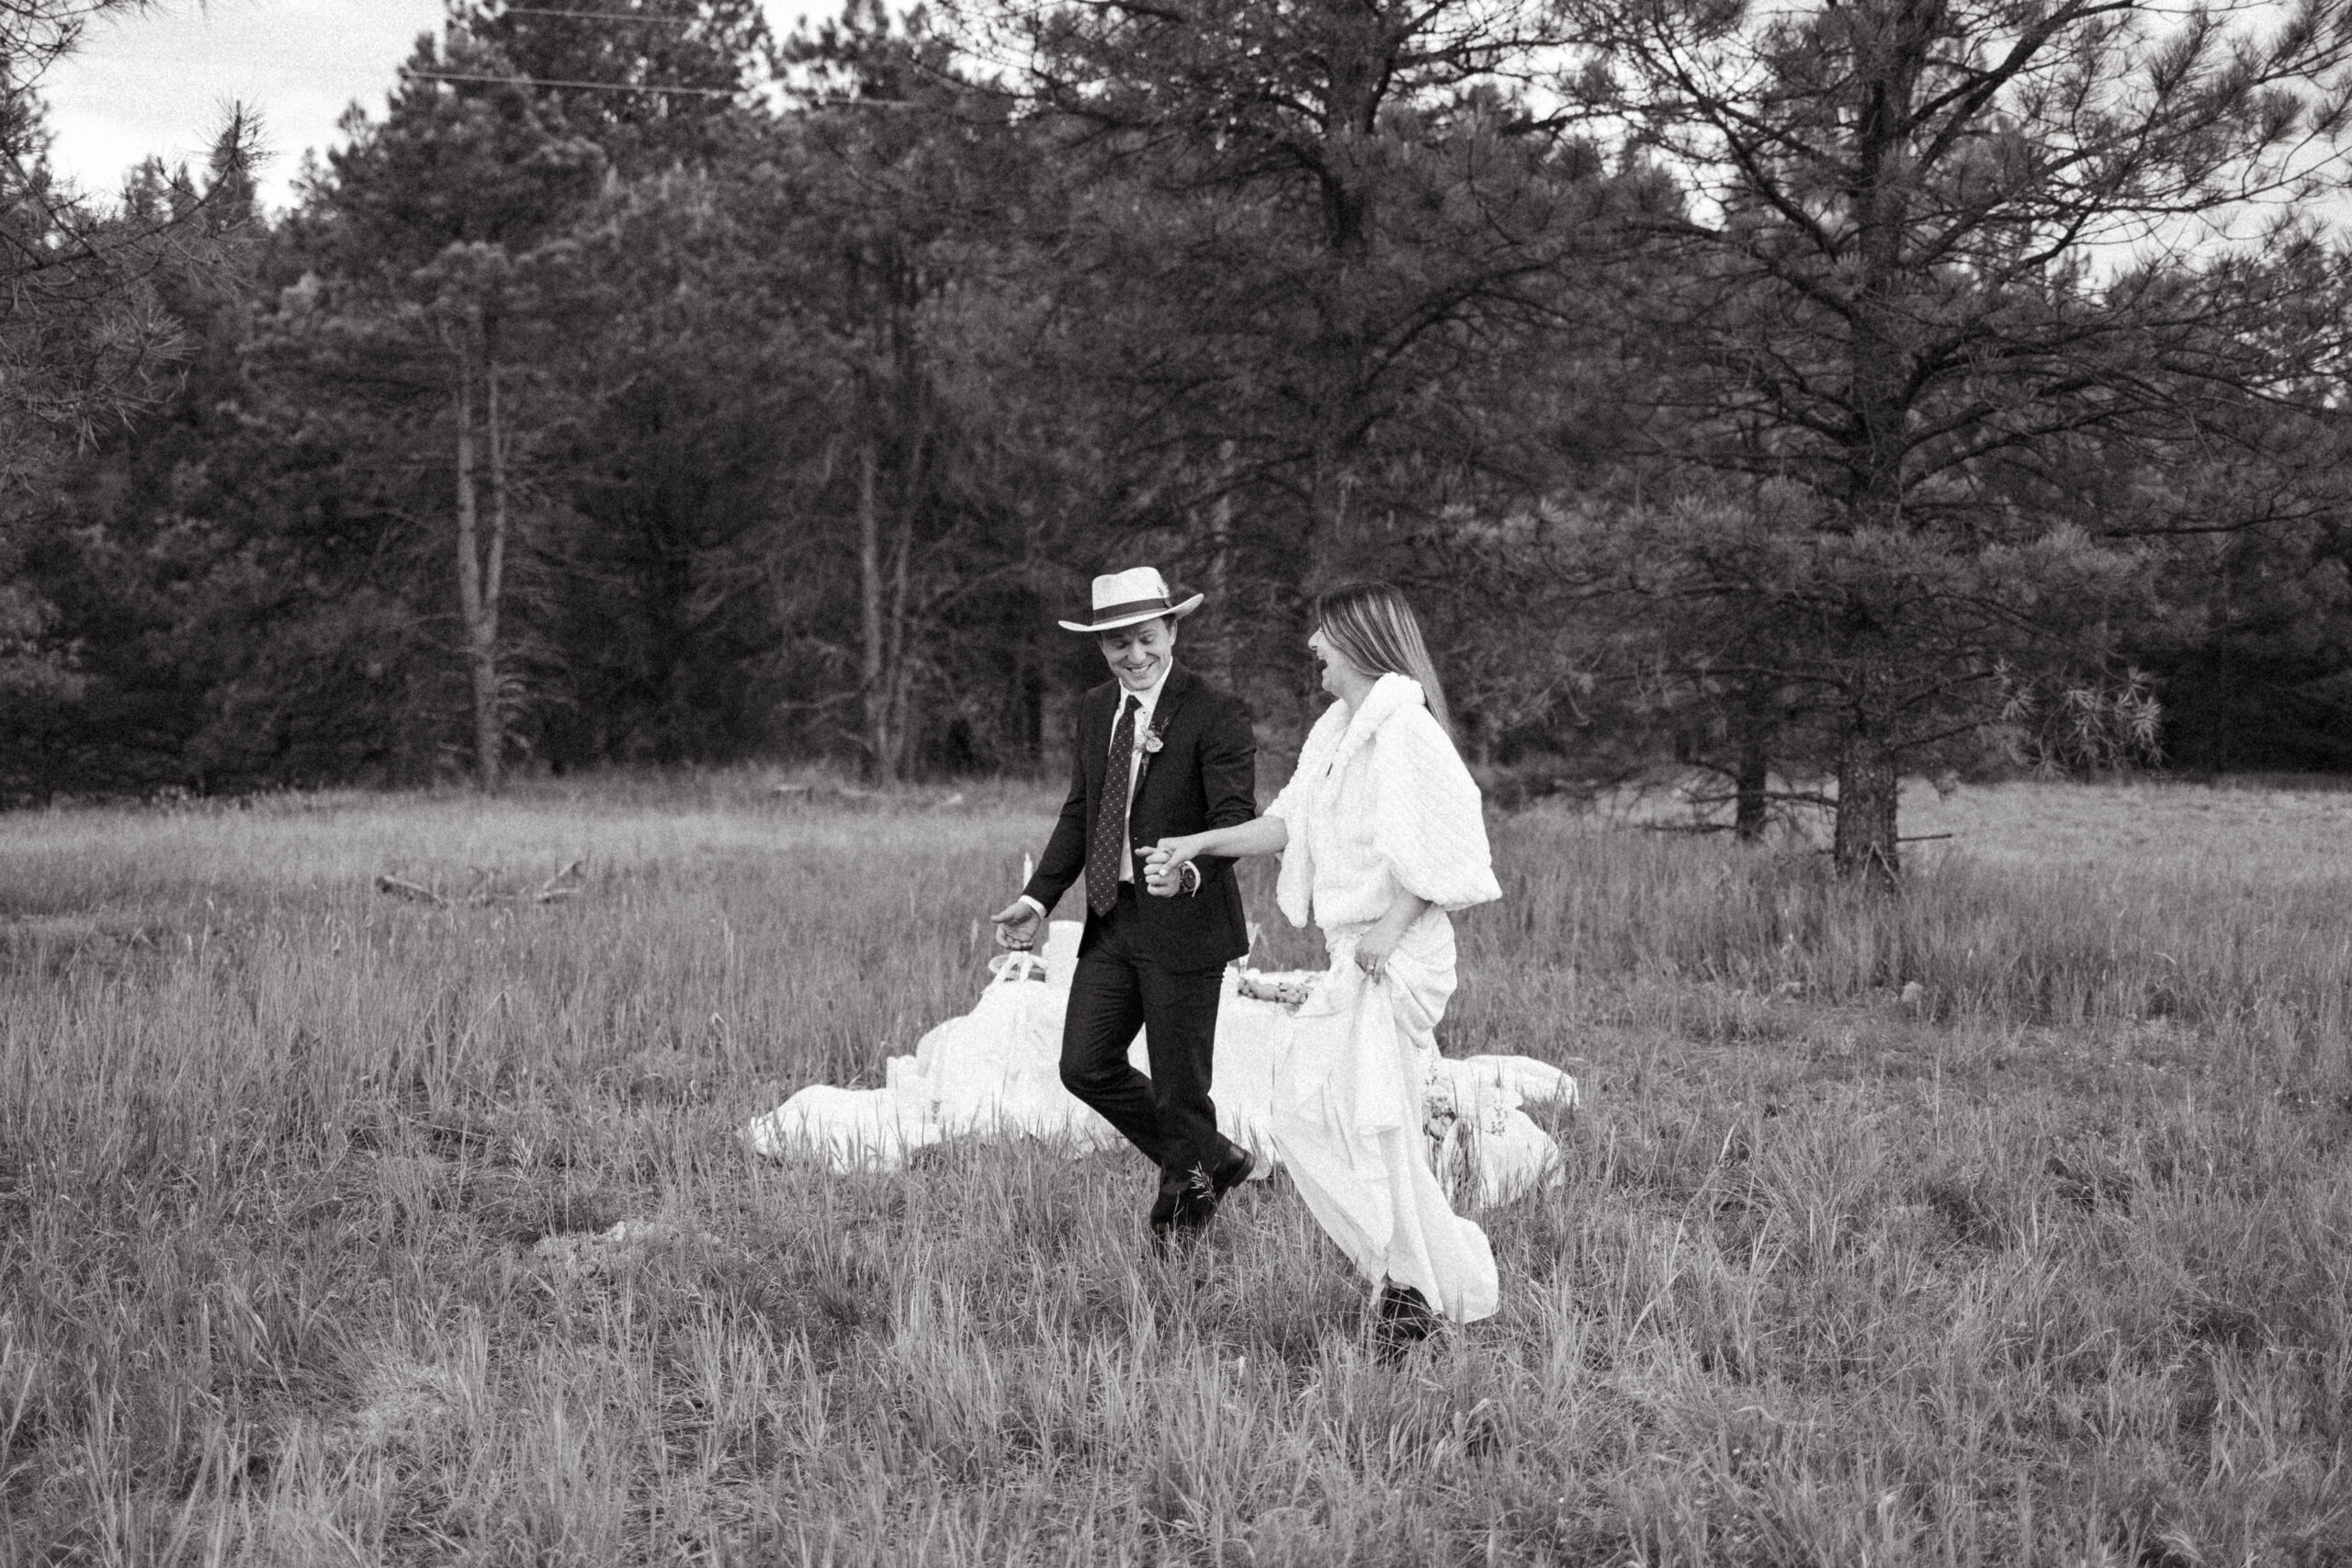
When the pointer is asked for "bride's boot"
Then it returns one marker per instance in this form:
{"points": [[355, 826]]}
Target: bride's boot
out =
{"points": [[1403, 1319]]}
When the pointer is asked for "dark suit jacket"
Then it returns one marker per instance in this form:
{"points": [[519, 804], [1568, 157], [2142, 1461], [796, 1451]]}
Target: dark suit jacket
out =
{"points": [[1204, 775]]}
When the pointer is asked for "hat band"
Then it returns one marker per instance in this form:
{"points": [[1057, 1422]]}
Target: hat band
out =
{"points": [[1112, 611]]}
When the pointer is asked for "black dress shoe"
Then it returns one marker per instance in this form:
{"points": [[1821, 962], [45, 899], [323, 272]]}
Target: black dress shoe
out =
{"points": [[1238, 1163], [1168, 1209], [1163, 1207], [1204, 1187], [1188, 1198]]}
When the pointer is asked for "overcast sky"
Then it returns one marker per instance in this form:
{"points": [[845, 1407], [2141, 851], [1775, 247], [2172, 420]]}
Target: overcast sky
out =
{"points": [[161, 83]]}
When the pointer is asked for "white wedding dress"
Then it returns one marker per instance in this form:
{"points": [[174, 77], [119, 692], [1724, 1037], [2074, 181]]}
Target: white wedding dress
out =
{"points": [[1380, 806], [1332, 1074]]}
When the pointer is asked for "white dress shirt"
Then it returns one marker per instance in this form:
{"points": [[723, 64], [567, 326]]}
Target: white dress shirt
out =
{"points": [[1147, 699]]}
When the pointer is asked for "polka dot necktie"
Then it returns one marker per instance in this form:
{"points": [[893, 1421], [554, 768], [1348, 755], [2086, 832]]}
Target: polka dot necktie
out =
{"points": [[1110, 840]]}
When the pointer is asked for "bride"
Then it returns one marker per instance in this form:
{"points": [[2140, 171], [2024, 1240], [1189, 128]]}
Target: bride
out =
{"points": [[1381, 836]]}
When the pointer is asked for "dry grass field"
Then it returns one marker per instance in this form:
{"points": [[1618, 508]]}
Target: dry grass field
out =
{"points": [[303, 1191]]}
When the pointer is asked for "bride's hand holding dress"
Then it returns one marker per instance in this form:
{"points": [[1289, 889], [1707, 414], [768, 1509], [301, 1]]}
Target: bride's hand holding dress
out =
{"points": [[1373, 948]]}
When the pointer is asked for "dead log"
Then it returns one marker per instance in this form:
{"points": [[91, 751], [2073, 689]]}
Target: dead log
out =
{"points": [[559, 887], [400, 888]]}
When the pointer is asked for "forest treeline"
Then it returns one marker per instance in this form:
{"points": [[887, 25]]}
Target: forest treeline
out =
{"points": [[1821, 394]]}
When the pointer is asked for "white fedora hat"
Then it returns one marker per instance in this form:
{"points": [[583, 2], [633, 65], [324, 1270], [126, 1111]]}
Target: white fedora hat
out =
{"points": [[1125, 598]]}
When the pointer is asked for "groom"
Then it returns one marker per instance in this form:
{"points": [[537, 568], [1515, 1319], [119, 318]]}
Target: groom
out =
{"points": [[1160, 751]]}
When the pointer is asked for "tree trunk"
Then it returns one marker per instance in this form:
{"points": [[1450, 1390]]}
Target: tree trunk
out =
{"points": [[478, 586], [1335, 551], [901, 666], [1868, 790], [494, 587], [1221, 662], [872, 688], [1880, 390], [1358, 56], [1751, 784], [1028, 715]]}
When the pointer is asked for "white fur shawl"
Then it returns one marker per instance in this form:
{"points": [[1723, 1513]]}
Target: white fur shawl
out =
{"points": [[1380, 801]]}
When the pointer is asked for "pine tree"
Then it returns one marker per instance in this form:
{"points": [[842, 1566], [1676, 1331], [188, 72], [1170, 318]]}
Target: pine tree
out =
{"points": [[1924, 242]]}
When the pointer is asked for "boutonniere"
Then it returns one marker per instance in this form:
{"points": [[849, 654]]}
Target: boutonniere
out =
{"points": [[1151, 741]]}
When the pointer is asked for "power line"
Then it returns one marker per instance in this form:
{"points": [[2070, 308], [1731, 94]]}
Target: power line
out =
{"points": [[829, 103], [593, 87], [599, 16]]}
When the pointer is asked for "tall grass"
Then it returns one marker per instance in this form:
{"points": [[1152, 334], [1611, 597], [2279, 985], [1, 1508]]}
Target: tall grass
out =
{"points": [[302, 1187], [2258, 953]]}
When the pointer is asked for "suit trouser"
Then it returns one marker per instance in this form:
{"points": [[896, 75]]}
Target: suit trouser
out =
{"points": [[1118, 989]]}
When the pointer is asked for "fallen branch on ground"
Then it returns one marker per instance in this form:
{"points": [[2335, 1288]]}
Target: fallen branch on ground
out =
{"points": [[387, 883], [563, 884], [820, 790]]}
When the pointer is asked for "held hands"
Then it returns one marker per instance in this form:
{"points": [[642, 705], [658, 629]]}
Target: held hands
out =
{"points": [[1164, 864], [1018, 925]]}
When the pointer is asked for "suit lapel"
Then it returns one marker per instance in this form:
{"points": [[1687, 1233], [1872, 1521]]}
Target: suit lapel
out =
{"points": [[1179, 684]]}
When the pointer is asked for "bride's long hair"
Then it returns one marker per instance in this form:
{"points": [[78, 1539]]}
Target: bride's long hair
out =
{"points": [[1371, 623]]}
